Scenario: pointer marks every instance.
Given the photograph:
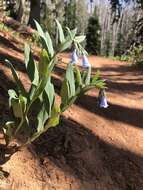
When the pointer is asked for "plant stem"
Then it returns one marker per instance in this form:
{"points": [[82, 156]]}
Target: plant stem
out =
{"points": [[19, 126]]}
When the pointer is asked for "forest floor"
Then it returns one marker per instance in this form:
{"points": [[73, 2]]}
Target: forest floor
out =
{"points": [[92, 149]]}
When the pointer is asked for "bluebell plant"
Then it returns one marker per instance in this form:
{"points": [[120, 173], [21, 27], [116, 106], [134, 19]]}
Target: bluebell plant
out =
{"points": [[41, 96]]}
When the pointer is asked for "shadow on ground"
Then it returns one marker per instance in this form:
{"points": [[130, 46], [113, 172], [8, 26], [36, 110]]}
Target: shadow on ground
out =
{"points": [[9, 44], [122, 69], [17, 63], [78, 151], [115, 112], [125, 87]]}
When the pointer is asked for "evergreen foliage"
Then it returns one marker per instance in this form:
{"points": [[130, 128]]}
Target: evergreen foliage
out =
{"points": [[70, 14], [93, 35]]}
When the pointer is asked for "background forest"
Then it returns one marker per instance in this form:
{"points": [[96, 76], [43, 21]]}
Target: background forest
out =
{"points": [[112, 27]]}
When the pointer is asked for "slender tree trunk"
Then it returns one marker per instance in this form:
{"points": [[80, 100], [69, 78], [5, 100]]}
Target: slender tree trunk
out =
{"points": [[20, 10], [34, 12], [23, 11]]}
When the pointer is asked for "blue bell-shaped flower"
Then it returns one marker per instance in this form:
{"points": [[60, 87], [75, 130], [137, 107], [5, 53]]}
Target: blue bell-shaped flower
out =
{"points": [[102, 99], [85, 62], [103, 103], [74, 57]]}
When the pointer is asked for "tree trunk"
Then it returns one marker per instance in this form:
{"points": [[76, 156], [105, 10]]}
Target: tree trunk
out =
{"points": [[23, 11], [20, 10], [34, 12]]}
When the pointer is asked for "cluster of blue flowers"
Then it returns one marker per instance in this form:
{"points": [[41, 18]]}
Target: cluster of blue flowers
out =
{"points": [[74, 59], [85, 63]]}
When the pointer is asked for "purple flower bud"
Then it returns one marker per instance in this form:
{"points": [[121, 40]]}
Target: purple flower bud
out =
{"points": [[85, 62], [74, 57], [102, 99]]}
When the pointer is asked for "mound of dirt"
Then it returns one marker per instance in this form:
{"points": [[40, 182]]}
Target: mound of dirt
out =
{"points": [[71, 157]]}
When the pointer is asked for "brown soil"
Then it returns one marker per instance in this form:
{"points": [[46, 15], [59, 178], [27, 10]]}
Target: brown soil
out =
{"points": [[92, 149]]}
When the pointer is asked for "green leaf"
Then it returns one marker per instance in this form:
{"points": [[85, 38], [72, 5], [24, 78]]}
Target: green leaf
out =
{"points": [[40, 89], [8, 130], [70, 79], [42, 117], [66, 44], [68, 86], [31, 66], [84, 75], [95, 78], [41, 34], [49, 97], [39, 29], [15, 104], [55, 116], [52, 122], [49, 44], [32, 92], [72, 33], [79, 39], [87, 88], [78, 76], [36, 92], [45, 39], [12, 95], [16, 107], [81, 49], [19, 84], [23, 102], [65, 93], [60, 31], [88, 76], [18, 104], [52, 63], [99, 84], [70, 102], [44, 74], [43, 65]]}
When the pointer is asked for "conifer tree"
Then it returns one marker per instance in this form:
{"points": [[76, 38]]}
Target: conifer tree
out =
{"points": [[70, 14], [93, 35]]}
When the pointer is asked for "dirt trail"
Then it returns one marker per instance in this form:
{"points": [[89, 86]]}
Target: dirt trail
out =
{"points": [[93, 149]]}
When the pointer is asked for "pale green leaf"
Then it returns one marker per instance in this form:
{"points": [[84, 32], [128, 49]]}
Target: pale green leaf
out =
{"points": [[78, 76], [88, 76], [70, 79], [95, 78], [14, 103], [43, 64], [49, 44], [66, 44], [49, 97], [65, 92], [19, 84], [60, 32], [72, 33], [8, 130], [55, 116], [79, 39], [31, 66], [42, 117]]}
